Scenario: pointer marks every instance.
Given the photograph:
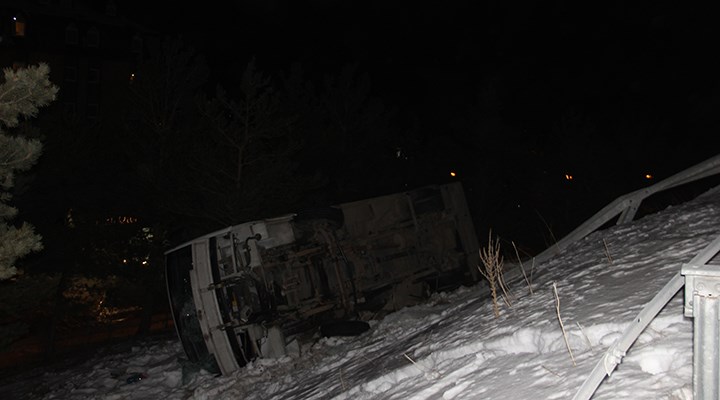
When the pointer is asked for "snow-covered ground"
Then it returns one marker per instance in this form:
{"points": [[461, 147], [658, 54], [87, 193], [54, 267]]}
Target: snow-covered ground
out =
{"points": [[453, 347]]}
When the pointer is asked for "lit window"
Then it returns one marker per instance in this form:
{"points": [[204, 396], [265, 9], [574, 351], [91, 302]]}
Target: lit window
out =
{"points": [[19, 25], [568, 177], [71, 34]]}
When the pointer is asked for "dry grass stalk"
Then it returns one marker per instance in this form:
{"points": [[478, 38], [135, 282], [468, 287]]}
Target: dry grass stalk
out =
{"points": [[492, 271], [551, 371], [552, 235], [532, 269], [428, 374], [505, 290], [562, 326], [522, 268], [493, 291], [413, 361], [607, 251], [587, 339]]}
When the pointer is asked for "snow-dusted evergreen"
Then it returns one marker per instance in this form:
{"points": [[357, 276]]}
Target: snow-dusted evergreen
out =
{"points": [[22, 93]]}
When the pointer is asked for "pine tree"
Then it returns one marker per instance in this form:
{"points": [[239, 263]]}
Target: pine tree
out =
{"points": [[22, 93]]}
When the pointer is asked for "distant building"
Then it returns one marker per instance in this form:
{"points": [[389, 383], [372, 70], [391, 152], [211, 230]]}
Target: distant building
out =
{"points": [[92, 51]]}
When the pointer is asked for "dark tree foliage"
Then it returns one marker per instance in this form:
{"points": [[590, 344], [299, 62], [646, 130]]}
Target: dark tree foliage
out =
{"points": [[257, 148], [161, 130], [349, 141], [244, 167], [22, 93]]}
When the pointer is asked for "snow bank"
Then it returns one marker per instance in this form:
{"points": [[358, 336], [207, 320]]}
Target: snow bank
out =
{"points": [[453, 347]]}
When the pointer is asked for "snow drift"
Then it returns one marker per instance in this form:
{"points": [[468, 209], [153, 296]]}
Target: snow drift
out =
{"points": [[452, 347]]}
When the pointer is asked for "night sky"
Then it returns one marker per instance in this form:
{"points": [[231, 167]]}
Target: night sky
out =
{"points": [[512, 96]]}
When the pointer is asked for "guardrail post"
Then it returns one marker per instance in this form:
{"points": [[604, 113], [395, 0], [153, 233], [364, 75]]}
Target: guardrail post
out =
{"points": [[702, 303]]}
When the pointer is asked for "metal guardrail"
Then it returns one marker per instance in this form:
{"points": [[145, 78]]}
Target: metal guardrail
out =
{"points": [[701, 282], [702, 303], [627, 205], [615, 353]]}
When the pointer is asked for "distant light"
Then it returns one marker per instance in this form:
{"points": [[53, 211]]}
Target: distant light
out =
{"points": [[453, 174], [132, 77], [648, 176], [568, 177], [144, 262], [14, 18]]}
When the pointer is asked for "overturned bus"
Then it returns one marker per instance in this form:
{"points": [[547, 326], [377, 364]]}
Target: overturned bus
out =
{"points": [[241, 292]]}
